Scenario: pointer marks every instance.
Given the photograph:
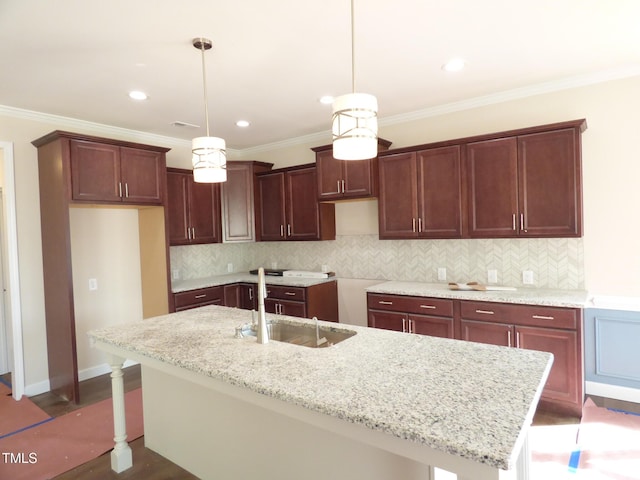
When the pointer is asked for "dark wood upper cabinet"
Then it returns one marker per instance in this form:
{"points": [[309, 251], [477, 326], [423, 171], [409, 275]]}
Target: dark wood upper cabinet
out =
{"points": [[289, 208], [238, 200], [343, 179], [193, 209], [520, 183], [550, 184], [491, 169], [420, 194], [115, 174]]}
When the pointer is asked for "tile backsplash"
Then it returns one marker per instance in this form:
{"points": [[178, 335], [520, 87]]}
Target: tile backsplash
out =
{"points": [[555, 262]]}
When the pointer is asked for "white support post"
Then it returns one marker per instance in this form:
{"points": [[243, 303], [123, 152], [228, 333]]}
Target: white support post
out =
{"points": [[121, 456]]}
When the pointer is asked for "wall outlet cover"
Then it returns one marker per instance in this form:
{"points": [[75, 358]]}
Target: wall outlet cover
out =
{"points": [[527, 277], [492, 276], [442, 274]]}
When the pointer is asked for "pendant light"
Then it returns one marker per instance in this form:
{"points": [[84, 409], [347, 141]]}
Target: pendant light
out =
{"points": [[209, 153], [355, 119]]}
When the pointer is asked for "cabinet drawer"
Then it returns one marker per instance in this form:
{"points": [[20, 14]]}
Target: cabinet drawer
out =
{"points": [[401, 303], [202, 296], [530, 315], [286, 293]]}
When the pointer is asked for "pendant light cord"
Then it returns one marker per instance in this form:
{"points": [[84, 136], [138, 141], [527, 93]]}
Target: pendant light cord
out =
{"points": [[204, 83], [353, 52]]}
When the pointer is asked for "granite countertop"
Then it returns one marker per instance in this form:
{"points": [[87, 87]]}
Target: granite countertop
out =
{"points": [[467, 399], [178, 286], [528, 296]]}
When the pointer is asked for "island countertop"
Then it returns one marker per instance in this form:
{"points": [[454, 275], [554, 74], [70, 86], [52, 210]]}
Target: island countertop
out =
{"points": [[467, 399], [528, 296]]}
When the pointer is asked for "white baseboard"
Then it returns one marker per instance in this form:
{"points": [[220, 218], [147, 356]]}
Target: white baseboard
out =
{"points": [[44, 386], [613, 391]]}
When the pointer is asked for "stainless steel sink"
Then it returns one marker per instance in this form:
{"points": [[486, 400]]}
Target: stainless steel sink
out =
{"points": [[305, 335]]}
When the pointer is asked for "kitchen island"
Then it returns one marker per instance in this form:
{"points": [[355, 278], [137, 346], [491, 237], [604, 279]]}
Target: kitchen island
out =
{"points": [[379, 405]]}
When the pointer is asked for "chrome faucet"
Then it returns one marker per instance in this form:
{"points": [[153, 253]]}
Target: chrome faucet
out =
{"points": [[262, 333]]}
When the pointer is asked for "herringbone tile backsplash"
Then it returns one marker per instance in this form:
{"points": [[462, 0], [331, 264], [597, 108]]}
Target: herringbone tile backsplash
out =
{"points": [[555, 262]]}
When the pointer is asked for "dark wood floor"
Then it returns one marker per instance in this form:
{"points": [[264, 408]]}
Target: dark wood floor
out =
{"points": [[146, 463], [149, 465]]}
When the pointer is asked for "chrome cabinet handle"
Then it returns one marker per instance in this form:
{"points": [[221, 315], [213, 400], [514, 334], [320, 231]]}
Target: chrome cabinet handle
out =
{"points": [[542, 317], [338, 182], [384, 302], [288, 229], [404, 325], [412, 326], [250, 293], [203, 295], [513, 222], [428, 306], [419, 224], [413, 226], [508, 338], [120, 189], [342, 186], [193, 233], [522, 222], [517, 339], [282, 230], [486, 312], [290, 293], [126, 190]]}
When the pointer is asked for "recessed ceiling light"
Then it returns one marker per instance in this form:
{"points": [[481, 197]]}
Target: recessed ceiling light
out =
{"points": [[138, 95], [454, 65], [242, 123], [326, 100]]}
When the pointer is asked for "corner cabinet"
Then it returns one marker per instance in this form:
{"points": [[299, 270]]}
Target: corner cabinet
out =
{"points": [[340, 179], [420, 194], [238, 200], [526, 186], [193, 209], [77, 170], [288, 206]]}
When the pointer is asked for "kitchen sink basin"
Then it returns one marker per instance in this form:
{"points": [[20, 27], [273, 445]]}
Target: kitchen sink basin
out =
{"points": [[305, 335]]}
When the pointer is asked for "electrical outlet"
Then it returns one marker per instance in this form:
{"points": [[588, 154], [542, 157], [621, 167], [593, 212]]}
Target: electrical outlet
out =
{"points": [[93, 284], [325, 268], [492, 276], [274, 265], [442, 274], [175, 274], [229, 267], [527, 277]]}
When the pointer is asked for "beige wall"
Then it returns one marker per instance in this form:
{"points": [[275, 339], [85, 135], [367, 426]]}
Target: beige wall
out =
{"points": [[611, 177]]}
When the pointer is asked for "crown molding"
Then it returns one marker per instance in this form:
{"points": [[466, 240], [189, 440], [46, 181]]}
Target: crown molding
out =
{"points": [[324, 137]]}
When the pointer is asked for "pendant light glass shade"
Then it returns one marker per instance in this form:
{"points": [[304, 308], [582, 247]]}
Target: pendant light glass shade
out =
{"points": [[209, 153], [355, 127], [209, 160]]}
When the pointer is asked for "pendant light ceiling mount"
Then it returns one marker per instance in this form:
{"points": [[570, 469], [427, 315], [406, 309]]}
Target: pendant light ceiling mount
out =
{"points": [[355, 118], [209, 153]]}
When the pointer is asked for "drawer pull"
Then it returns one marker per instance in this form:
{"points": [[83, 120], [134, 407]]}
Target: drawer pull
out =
{"points": [[292, 294], [428, 306], [486, 312], [542, 317], [384, 302], [202, 295]]}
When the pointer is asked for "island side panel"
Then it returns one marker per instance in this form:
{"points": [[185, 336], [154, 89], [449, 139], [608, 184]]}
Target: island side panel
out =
{"points": [[213, 435]]}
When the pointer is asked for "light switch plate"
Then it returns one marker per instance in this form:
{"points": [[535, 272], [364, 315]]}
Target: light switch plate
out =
{"points": [[229, 267], [442, 274], [527, 277], [93, 284], [492, 276]]}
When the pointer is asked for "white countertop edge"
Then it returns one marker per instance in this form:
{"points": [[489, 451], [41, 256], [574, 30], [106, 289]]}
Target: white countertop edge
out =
{"points": [[610, 302]]}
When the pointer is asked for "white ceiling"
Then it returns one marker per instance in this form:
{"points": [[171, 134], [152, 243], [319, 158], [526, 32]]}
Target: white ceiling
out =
{"points": [[272, 60]]}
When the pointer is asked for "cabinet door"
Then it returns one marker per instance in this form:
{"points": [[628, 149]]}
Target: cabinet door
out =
{"points": [[232, 295], [491, 170], [360, 178], [248, 296], [177, 205], [388, 320], [295, 309], [564, 382], [398, 200], [204, 212], [330, 175], [439, 193], [432, 326], [484, 332], [95, 172], [271, 195], [302, 211], [141, 174], [550, 184], [237, 204]]}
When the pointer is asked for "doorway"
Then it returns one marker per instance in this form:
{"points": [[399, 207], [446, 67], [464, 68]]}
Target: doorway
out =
{"points": [[11, 313]]}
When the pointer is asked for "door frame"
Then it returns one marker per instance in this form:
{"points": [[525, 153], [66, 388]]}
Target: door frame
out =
{"points": [[12, 264]]}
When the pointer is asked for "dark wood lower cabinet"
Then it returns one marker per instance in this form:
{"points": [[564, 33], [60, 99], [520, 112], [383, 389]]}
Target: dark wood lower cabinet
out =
{"points": [[320, 300], [547, 329]]}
